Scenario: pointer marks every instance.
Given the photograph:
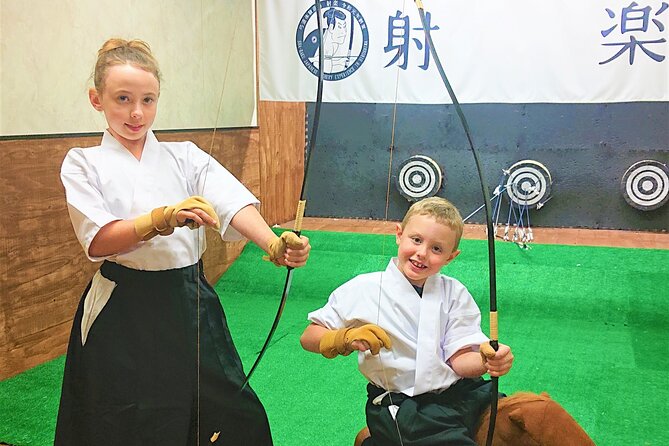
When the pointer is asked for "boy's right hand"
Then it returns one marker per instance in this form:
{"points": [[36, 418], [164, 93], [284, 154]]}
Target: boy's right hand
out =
{"points": [[343, 341], [496, 363]]}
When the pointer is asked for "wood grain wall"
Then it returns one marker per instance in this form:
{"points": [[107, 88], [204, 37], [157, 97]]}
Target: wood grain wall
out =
{"points": [[43, 270]]}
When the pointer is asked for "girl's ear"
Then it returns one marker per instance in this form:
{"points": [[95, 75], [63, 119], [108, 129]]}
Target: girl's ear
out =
{"points": [[94, 97]]}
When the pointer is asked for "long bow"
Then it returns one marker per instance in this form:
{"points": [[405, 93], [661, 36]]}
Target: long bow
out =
{"points": [[486, 199], [297, 228]]}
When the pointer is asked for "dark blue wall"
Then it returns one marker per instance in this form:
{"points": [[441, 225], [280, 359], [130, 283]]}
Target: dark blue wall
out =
{"points": [[586, 147]]}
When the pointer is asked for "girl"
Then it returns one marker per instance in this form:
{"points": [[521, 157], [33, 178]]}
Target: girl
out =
{"points": [[150, 359]]}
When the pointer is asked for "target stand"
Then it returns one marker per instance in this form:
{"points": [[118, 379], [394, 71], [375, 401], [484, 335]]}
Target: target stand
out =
{"points": [[419, 177], [528, 184], [645, 185]]}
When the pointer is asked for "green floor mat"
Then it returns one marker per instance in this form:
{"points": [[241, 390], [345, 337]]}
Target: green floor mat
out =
{"points": [[587, 325]]}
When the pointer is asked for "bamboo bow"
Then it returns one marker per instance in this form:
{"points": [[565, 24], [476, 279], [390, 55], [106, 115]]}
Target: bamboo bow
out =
{"points": [[486, 200], [297, 228]]}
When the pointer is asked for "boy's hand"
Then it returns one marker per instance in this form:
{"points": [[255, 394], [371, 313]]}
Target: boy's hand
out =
{"points": [[343, 341], [497, 363]]}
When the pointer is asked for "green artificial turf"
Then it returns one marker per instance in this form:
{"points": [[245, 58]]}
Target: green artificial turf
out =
{"points": [[587, 325]]}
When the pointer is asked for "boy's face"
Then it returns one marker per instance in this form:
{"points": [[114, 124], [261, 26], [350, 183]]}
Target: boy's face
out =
{"points": [[424, 247]]}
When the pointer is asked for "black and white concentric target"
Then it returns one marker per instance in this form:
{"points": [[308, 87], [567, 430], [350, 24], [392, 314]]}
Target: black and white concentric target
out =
{"points": [[645, 185], [528, 183], [419, 177]]}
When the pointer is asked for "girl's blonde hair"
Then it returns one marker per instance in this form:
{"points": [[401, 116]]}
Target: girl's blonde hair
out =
{"points": [[117, 51], [442, 210]]}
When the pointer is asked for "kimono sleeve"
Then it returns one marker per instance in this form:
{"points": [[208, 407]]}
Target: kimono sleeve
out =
{"points": [[463, 328], [85, 203], [223, 190], [330, 315]]}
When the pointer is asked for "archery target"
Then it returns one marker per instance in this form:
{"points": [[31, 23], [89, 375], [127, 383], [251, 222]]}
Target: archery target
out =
{"points": [[528, 183], [419, 177], [645, 185]]}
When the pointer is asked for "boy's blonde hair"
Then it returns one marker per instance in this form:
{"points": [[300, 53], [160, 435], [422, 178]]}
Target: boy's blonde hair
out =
{"points": [[441, 210]]}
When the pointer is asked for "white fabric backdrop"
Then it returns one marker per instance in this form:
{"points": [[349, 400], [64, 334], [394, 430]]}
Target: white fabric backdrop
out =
{"points": [[206, 50], [501, 51]]}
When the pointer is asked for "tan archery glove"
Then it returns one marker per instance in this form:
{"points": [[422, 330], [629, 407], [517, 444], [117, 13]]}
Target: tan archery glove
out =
{"points": [[163, 220], [276, 247], [339, 342], [487, 352]]}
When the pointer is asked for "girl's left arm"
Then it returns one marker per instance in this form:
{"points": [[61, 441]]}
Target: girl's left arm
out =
{"points": [[248, 222]]}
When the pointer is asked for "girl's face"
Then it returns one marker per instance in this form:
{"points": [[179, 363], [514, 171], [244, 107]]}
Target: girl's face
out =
{"points": [[129, 101], [424, 246]]}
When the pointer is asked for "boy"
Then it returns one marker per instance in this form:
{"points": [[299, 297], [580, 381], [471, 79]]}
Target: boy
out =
{"points": [[418, 335]]}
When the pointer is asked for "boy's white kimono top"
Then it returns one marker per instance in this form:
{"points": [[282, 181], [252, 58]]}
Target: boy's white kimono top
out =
{"points": [[107, 183], [425, 331]]}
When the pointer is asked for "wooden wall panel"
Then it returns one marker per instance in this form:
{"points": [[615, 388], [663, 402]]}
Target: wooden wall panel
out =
{"points": [[43, 270], [282, 144]]}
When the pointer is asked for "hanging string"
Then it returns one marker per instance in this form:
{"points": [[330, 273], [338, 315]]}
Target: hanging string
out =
{"points": [[383, 243], [200, 231]]}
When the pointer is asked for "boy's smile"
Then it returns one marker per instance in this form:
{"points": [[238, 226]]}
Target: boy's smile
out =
{"points": [[425, 245]]}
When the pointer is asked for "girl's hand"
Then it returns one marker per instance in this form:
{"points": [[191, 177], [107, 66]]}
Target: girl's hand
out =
{"points": [[288, 250], [360, 346], [194, 218], [296, 257]]}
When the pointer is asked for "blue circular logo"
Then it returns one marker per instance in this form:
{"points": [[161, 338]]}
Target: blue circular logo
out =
{"points": [[345, 40]]}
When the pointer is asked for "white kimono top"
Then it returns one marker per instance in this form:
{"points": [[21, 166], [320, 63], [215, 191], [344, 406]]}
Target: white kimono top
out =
{"points": [[425, 331], [107, 183]]}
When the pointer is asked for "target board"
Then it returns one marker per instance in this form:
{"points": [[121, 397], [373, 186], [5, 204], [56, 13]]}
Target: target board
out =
{"points": [[528, 183], [419, 177], [645, 185]]}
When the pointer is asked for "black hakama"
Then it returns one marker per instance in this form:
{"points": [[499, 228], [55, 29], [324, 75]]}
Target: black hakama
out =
{"points": [[144, 376], [429, 419]]}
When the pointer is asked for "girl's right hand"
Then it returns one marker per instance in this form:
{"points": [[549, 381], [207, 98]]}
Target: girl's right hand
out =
{"points": [[194, 218]]}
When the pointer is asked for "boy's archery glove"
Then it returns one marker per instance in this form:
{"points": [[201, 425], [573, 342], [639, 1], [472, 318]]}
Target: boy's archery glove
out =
{"points": [[163, 220], [276, 247], [487, 352], [338, 342]]}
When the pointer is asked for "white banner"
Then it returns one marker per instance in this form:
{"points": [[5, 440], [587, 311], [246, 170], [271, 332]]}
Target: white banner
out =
{"points": [[493, 51]]}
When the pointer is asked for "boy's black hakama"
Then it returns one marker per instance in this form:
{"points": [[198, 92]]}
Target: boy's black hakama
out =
{"points": [[430, 419], [139, 379]]}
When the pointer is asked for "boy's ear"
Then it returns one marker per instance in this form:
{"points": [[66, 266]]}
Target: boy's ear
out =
{"points": [[453, 255], [398, 232], [94, 98]]}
